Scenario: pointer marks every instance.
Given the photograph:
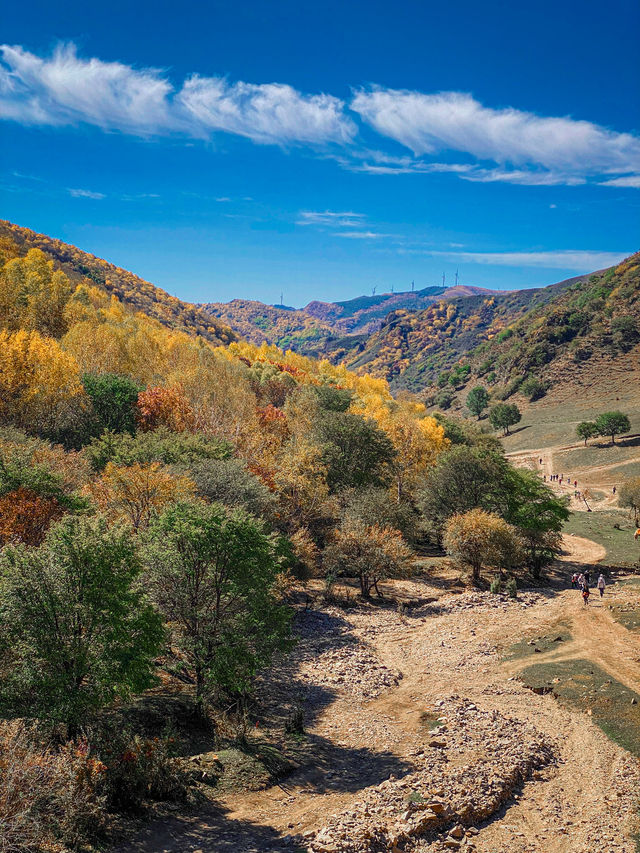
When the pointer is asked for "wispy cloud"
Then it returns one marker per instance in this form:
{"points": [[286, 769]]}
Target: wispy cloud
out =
{"points": [[332, 218], [454, 121], [565, 259], [362, 235], [64, 89], [625, 181], [86, 194]]}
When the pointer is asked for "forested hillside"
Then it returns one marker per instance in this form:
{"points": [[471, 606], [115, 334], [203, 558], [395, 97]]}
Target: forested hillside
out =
{"points": [[504, 338], [130, 290]]}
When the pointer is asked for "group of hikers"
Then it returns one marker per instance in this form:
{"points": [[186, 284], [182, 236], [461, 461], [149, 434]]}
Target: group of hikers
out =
{"points": [[581, 581]]}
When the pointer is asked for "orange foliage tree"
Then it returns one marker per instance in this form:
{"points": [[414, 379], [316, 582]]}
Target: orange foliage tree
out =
{"points": [[165, 407], [25, 516]]}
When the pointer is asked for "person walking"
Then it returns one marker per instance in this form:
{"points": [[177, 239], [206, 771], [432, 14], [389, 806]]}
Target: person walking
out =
{"points": [[587, 577], [601, 585], [574, 580], [580, 580], [585, 594]]}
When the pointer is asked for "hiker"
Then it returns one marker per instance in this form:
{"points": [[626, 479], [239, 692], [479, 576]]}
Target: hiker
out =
{"points": [[586, 577], [575, 484], [580, 580], [544, 477], [601, 585], [614, 490], [541, 460], [585, 594], [574, 580]]}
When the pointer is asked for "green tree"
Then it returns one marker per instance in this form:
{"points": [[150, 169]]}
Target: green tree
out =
{"points": [[586, 430], [538, 514], [369, 552], [212, 573], [229, 482], [356, 452], [114, 400], [612, 424], [477, 400], [478, 539], [629, 497], [462, 479], [76, 631], [373, 505], [160, 445], [504, 415]]}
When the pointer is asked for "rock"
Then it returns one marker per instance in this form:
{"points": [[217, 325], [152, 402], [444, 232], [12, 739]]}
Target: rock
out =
{"points": [[457, 831]]}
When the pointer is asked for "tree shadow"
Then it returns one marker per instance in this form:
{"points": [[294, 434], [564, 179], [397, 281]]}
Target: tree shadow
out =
{"points": [[209, 831]]}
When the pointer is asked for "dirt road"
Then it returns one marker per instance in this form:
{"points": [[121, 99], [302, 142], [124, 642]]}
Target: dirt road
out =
{"points": [[454, 644]]}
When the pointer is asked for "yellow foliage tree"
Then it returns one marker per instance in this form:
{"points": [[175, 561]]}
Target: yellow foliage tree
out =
{"points": [[33, 296], [135, 492], [37, 380], [477, 538]]}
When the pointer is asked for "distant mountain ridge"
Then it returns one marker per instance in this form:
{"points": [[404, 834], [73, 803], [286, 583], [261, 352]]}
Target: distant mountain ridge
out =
{"points": [[310, 330]]}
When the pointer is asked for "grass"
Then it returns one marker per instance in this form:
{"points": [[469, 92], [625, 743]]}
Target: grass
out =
{"points": [[528, 648], [601, 453], [621, 547], [584, 685]]}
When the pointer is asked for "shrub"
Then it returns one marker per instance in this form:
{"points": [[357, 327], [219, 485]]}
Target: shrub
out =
{"points": [[368, 552], [629, 497], [496, 586], [533, 388], [229, 482], [478, 538], [512, 588], [47, 795], [160, 445]]}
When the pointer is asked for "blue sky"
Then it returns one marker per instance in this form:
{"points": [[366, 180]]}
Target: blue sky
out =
{"points": [[244, 149]]}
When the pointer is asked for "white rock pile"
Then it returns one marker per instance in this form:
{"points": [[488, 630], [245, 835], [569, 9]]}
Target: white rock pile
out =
{"points": [[471, 764]]}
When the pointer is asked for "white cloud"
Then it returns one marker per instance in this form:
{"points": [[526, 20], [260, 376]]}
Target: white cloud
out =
{"points": [[86, 194], [565, 259], [362, 235], [455, 121], [64, 89], [266, 113], [625, 181], [532, 178], [67, 90], [335, 219]]}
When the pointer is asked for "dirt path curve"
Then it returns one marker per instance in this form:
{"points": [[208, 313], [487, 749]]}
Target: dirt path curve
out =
{"points": [[577, 549], [531, 459]]}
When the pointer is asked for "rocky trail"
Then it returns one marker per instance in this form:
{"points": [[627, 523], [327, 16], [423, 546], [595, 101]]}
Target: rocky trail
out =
{"points": [[420, 737]]}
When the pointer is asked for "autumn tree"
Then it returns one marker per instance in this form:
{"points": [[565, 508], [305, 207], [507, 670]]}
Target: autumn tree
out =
{"points": [[504, 415], [75, 629], [586, 430], [612, 424], [39, 382], [212, 574], [478, 539], [33, 295], [477, 400], [371, 553], [629, 497], [167, 407], [136, 492], [25, 516], [229, 482]]}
